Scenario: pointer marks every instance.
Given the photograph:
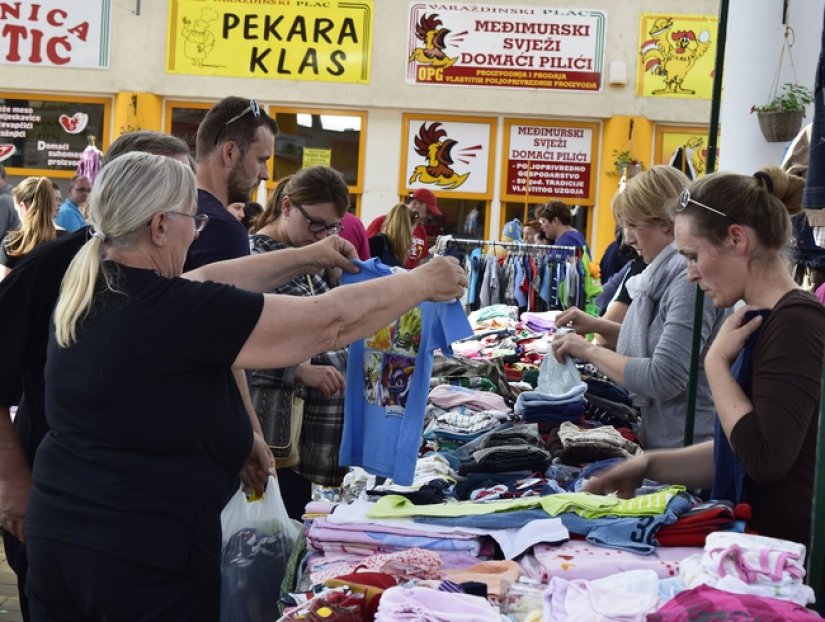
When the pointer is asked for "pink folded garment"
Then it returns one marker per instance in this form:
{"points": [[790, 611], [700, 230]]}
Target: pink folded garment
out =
{"points": [[578, 559], [448, 396], [420, 603]]}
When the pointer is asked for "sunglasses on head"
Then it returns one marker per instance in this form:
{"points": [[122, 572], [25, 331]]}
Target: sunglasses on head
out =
{"points": [[253, 107], [685, 199]]}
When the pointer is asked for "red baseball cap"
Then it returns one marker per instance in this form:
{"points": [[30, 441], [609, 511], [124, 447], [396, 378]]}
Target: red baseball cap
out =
{"points": [[428, 198]]}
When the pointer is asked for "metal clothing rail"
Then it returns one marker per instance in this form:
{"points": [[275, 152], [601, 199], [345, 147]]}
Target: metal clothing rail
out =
{"points": [[519, 245]]}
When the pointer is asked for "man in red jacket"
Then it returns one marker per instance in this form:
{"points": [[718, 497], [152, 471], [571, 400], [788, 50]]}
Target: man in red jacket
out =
{"points": [[423, 203]]}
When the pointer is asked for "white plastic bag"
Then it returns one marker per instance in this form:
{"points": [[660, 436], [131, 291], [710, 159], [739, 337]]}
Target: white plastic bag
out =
{"points": [[258, 537], [559, 379]]}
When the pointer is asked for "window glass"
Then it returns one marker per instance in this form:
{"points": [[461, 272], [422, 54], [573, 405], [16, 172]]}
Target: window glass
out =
{"points": [[48, 135], [461, 218], [339, 135], [185, 122]]}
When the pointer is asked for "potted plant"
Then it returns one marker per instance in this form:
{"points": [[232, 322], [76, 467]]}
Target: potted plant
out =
{"points": [[781, 118], [626, 164]]}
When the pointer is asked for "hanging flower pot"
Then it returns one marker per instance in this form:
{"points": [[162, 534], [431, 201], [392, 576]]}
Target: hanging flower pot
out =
{"points": [[781, 118], [780, 126], [628, 170], [626, 165]]}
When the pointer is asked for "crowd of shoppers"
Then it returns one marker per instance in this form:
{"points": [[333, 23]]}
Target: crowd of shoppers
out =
{"points": [[114, 475]]}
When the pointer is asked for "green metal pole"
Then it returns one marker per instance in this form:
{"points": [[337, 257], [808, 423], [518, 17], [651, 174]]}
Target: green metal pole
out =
{"points": [[713, 131], [816, 552]]}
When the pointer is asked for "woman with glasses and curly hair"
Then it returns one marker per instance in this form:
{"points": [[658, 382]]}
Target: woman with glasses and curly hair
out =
{"points": [[392, 245], [304, 208], [34, 200]]}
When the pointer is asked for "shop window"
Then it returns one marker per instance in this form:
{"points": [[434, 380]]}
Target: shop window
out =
{"points": [[319, 137], [581, 214], [44, 135], [183, 121], [461, 218]]}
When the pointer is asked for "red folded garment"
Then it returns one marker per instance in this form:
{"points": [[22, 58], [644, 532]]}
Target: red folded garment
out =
{"points": [[692, 527]]}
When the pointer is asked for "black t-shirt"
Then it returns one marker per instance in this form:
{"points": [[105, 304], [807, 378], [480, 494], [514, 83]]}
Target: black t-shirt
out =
{"points": [[11, 260], [27, 297], [225, 237], [147, 428], [637, 266]]}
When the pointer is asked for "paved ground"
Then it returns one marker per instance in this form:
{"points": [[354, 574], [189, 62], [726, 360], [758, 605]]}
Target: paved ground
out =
{"points": [[9, 601]]}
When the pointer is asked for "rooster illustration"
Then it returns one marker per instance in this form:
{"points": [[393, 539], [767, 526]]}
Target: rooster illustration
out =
{"points": [[429, 31], [672, 55], [432, 143]]}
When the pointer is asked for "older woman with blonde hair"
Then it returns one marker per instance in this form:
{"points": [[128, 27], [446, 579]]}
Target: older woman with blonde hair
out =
{"points": [[148, 431], [34, 200], [392, 245], [653, 343]]}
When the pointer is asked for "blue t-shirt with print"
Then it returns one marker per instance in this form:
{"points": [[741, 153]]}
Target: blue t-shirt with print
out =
{"points": [[388, 381]]}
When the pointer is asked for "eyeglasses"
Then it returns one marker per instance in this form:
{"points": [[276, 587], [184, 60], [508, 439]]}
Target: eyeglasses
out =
{"points": [[684, 199], [201, 220], [318, 226], [253, 107]]}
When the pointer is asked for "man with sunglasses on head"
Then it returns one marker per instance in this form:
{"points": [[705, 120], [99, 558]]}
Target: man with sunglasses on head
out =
{"points": [[234, 143]]}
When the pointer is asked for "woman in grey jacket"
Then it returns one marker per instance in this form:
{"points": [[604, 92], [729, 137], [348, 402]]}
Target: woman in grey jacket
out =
{"points": [[653, 343]]}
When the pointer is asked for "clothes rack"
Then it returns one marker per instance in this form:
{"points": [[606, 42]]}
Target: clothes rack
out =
{"points": [[535, 277], [517, 245]]}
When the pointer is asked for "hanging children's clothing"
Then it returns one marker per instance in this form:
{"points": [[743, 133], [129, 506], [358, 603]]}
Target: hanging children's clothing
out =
{"points": [[532, 277], [89, 163]]}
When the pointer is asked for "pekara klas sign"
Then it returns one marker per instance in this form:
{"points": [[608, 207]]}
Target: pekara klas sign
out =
{"points": [[549, 160], [320, 40], [55, 33], [505, 46]]}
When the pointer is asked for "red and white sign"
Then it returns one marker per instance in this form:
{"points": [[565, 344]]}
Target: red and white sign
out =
{"points": [[505, 46], [549, 161], [55, 33], [73, 124]]}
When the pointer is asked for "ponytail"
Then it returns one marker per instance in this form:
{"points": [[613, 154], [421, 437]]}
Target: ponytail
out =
{"points": [[77, 291], [37, 225]]}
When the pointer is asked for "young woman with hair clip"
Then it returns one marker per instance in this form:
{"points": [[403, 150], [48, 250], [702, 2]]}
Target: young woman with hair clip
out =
{"points": [[764, 365], [392, 245], [34, 200]]}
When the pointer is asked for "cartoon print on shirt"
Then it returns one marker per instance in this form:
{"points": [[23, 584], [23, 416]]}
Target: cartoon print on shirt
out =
{"points": [[389, 362], [381, 339], [408, 336], [372, 375], [395, 383]]}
